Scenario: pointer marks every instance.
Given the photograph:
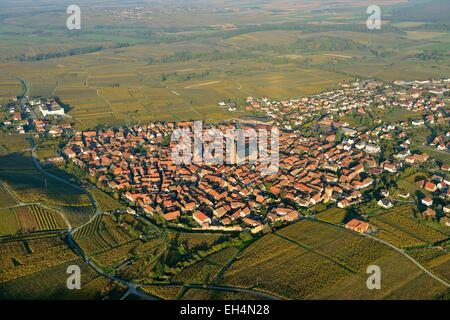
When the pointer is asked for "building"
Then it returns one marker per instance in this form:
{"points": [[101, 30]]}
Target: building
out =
{"points": [[51, 109], [358, 226], [385, 203], [201, 218], [427, 201]]}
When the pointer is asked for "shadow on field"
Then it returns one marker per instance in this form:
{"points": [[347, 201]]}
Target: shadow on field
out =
{"points": [[30, 185]]}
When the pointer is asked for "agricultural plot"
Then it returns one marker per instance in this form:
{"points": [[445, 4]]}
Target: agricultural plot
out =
{"points": [[395, 236], [77, 215], [10, 143], [400, 218], [47, 220], [143, 258], [6, 199], [165, 292], [101, 235], [31, 186], [291, 259], [51, 284], [287, 270], [27, 219], [436, 259], [105, 201], [196, 241], [333, 215], [32, 256], [204, 271], [9, 224]]}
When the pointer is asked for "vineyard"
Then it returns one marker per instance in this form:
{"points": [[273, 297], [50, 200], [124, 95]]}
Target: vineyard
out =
{"points": [[6, 200], [144, 258], [286, 270], [9, 225], [101, 235], [47, 220], [309, 260], [194, 241], [333, 215], [164, 292], [77, 215], [399, 227], [204, 271], [105, 201], [208, 294], [23, 258], [395, 236], [28, 219]]}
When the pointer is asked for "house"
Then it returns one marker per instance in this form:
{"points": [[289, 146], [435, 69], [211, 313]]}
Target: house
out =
{"points": [[430, 186], [447, 209], [201, 218], [427, 201], [343, 203], [429, 214], [358, 226], [403, 194], [385, 203], [172, 215]]}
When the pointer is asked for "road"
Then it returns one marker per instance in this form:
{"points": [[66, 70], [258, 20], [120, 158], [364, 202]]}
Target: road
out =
{"points": [[26, 92]]}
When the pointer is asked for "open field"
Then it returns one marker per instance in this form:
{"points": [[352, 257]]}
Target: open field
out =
{"points": [[341, 255]]}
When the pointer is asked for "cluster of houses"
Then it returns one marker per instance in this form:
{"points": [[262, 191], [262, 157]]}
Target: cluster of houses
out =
{"points": [[44, 115], [136, 163]]}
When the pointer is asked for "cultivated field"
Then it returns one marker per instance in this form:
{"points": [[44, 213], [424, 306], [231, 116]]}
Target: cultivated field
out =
{"points": [[287, 263], [399, 227]]}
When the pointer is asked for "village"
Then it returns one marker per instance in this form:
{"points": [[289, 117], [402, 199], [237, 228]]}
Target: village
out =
{"points": [[337, 165], [323, 158]]}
